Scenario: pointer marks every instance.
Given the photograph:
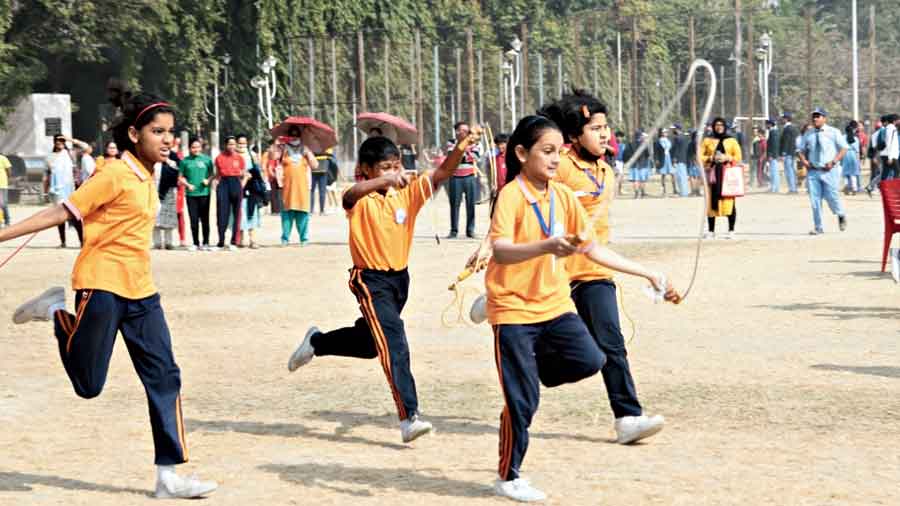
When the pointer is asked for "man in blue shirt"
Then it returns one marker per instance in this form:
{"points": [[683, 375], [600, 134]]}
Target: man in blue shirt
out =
{"points": [[821, 149]]}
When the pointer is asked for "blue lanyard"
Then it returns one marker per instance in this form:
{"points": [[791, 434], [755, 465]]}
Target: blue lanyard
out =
{"points": [[545, 227], [600, 186]]}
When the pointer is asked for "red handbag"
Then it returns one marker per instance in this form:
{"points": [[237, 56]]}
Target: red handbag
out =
{"points": [[733, 181]]}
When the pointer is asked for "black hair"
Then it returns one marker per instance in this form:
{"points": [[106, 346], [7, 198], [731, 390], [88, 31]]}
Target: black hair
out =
{"points": [[527, 132], [377, 149], [229, 138], [850, 130], [193, 140], [242, 136], [501, 138], [459, 124], [569, 112], [135, 113]]}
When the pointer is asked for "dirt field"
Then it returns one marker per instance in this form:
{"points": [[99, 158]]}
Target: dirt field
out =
{"points": [[778, 377]]}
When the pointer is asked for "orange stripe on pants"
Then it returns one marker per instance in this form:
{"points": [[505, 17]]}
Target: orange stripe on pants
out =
{"points": [[85, 297], [381, 342], [506, 435]]}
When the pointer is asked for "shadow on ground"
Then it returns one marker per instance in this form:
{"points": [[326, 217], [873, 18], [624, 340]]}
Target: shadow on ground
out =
{"points": [[838, 312], [358, 481], [285, 430], [885, 371], [22, 482], [442, 424]]}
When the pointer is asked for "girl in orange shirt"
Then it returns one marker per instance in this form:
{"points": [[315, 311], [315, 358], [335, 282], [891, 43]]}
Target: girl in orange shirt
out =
{"points": [[114, 290], [538, 337], [583, 120]]}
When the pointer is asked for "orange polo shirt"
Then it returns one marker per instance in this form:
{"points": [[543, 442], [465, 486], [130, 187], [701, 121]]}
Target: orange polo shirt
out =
{"points": [[117, 207], [576, 174], [382, 226], [536, 290], [295, 194]]}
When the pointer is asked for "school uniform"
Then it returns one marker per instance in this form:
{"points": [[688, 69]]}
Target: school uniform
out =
{"points": [[295, 197], [538, 338], [592, 286], [381, 233], [228, 195], [115, 293]]}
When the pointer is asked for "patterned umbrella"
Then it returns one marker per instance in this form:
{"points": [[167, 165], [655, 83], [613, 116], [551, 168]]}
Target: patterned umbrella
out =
{"points": [[317, 136], [396, 129]]}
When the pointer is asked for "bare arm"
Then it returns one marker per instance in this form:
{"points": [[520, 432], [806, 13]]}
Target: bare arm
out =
{"points": [[311, 160], [83, 145], [363, 188], [48, 218], [837, 159], [453, 159], [507, 252]]}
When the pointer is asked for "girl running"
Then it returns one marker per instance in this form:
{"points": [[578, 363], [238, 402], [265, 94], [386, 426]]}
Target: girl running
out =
{"points": [[114, 289], [583, 120], [538, 337]]}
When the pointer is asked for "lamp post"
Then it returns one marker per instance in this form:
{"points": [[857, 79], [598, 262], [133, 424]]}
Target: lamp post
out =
{"points": [[513, 70], [266, 89], [214, 135], [764, 55]]}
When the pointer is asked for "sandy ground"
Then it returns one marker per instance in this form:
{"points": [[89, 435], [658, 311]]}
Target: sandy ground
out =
{"points": [[778, 377]]}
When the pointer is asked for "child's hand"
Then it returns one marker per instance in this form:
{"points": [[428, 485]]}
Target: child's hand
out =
{"points": [[559, 246], [480, 258], [397, 180], [191, 187], [669, 293]]}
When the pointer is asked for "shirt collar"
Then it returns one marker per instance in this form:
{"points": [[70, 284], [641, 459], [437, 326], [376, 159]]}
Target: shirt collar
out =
{"points": [[533, 195], [136, 166], [583, 164]]}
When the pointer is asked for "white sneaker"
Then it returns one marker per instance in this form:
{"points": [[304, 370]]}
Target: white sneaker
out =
{"points": [[37, 309], [231, 247], [518, 489], [413, 428], [630, 429], [191, 248], [709, 235], [305, 352], [178, 487], [730, 235], [213, 248]]}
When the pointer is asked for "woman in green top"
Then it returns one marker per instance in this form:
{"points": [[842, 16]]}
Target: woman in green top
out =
{"points": [[195, 171]]}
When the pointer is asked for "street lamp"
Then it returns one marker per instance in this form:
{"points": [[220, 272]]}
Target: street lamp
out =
{"points": [[512, 69], [214, 136], [764, 55], [270, 85]]}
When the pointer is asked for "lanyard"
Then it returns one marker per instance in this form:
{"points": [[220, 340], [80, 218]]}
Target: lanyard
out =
{"points": [[545, 227], [600, 186]]}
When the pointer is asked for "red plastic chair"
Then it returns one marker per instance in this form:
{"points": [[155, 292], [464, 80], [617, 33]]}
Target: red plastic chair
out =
{"points": [[890, 198]]}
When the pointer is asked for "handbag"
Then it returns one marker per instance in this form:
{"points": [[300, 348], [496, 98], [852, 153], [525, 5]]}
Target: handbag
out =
{"points": [[733, 181]]}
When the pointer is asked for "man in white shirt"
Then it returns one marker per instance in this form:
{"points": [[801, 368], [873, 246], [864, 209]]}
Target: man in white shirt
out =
{"points": [[891, 152]]}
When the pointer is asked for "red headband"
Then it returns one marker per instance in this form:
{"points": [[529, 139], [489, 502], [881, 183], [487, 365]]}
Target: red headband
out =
{"points": [[151, 106]]}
